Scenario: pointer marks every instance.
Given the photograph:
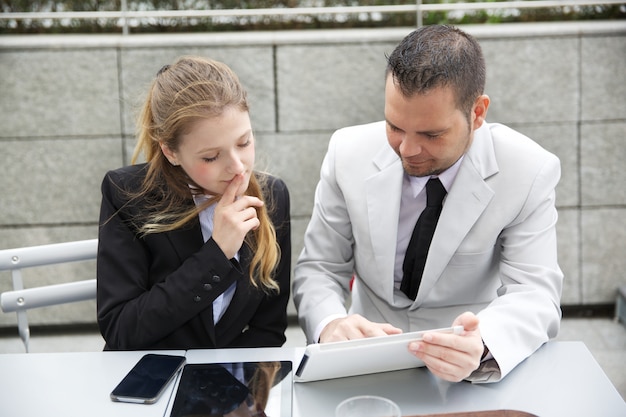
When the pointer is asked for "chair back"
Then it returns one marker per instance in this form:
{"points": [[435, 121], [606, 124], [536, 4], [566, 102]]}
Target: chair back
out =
{"points": [[19, 300]]}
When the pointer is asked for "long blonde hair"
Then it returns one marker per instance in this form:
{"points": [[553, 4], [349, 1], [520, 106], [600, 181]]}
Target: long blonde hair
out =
{"points": [[190, 89]]}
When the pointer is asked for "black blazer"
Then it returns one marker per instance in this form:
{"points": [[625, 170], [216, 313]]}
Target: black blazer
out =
{"points": [[156, 292]]}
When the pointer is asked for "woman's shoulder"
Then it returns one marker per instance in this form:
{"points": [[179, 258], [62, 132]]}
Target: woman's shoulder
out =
{"points": [[272, 183], [127, 177]]}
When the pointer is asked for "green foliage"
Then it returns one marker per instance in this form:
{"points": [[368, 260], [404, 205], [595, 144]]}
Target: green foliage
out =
{"points": [[274, 22]]}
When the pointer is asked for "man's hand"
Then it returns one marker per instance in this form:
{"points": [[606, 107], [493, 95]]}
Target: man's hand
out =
{"points": [[449, 356], [355, 327], [234, 218]]}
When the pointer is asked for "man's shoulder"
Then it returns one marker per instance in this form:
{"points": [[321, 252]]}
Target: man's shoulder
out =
{"points": [[360, 139], [509, 140], [511, 147], [373, 129]]}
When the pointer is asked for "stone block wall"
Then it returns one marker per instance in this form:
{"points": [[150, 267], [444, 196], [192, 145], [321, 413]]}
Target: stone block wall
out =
{"points": [[67, 107]]}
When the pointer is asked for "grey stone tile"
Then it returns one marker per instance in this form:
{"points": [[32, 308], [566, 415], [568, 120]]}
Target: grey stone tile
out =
{"points": [[521, 82], [325, 88], [17, 237], [602, 163], [603, 261], [297, 159], [580, 329], [603, 60], [253, 65], [82, 342], [613, 334], [295, 337], [562, 140], [568, 246], [56, 182], [298, 228], [59, 93]]}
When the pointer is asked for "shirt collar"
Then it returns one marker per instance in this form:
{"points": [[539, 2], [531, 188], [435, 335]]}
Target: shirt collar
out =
{"points": [[446, 177]]}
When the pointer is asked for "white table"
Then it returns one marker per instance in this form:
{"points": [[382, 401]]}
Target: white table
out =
{"points": [[560, 379], [70, 385]]}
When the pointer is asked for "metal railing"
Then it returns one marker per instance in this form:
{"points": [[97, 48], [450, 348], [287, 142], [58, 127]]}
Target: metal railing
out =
{"points": [[124, 15]]}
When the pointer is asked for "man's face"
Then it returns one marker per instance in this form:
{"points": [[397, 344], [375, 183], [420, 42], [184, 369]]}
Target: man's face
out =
{"points": [[427, 131]]}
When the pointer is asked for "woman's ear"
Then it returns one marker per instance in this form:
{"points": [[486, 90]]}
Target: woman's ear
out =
{"points": [[169, 154], [479, 111]]}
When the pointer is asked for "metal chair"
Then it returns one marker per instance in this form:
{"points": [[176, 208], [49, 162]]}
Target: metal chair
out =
{"points": [[20, 300]]}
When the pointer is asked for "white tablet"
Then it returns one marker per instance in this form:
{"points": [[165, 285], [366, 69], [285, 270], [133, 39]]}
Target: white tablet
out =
{"points": [[361, 356]]}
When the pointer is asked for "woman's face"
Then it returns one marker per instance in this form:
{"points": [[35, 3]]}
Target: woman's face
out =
{"points": [[215, 150]]}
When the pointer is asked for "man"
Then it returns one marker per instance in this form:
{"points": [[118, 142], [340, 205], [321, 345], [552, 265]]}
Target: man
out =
{"points": [[492, 263]]}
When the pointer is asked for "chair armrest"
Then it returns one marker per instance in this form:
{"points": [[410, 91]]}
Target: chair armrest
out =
{"points": [[48, 295]]}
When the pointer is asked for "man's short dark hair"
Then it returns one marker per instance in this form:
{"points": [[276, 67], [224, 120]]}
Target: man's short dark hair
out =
{"points": [[439, 56]]}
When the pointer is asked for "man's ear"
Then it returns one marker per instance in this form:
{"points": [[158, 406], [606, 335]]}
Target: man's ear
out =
{"points": [[169, 154], [479, 111]]}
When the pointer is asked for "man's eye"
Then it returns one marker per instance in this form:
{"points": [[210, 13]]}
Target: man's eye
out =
{"points": [[432, 136]]}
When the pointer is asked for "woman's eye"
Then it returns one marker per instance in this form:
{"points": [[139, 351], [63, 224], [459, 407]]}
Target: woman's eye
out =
{"points": [[245, 144], [210, 159]]}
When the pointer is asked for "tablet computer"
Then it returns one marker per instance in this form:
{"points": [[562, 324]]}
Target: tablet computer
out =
{"points": [[361, 356], [238, 388]]}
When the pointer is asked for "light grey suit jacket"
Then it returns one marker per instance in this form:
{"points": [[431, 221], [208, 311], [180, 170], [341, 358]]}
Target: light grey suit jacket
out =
{"points": [[493, 253]]}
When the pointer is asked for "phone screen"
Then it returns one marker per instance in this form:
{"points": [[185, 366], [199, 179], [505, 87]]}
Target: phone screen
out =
{"points": [[148, 378]]}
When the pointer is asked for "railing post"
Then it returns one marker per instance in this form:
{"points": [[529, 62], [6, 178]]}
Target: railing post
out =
{"points": [[418, 11], [124, 7]]}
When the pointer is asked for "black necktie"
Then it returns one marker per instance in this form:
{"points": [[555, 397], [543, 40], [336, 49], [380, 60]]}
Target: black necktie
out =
{"points": [[416, 252]]}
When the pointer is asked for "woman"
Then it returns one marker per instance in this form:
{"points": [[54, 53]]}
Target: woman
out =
{"points": [[194, 246]]}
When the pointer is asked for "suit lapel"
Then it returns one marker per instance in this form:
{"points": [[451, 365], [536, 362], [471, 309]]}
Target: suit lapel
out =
{"points": [[383, 208], [466, 201]]}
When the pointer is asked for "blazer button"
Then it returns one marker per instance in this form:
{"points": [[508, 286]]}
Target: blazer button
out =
{"points": [[197, 298], [207, 287], [216, 278]]}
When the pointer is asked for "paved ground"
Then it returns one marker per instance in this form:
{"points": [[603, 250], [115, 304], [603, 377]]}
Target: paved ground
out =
{"points": [[605, 338]]}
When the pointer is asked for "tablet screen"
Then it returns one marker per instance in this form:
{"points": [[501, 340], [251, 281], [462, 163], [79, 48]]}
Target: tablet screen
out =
{"points": [[241, 388]]}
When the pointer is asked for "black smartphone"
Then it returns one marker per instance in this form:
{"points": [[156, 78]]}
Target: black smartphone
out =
{"points": [[145, 383]]}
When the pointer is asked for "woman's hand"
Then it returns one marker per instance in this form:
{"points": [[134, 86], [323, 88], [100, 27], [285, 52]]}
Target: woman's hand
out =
{"points": [[234, 218]]}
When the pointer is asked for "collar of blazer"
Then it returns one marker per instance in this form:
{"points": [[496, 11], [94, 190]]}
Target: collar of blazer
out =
{"points": [[466, 201]]}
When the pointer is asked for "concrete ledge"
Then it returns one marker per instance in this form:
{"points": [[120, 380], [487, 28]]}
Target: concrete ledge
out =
{"points": [[300, 37]]}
